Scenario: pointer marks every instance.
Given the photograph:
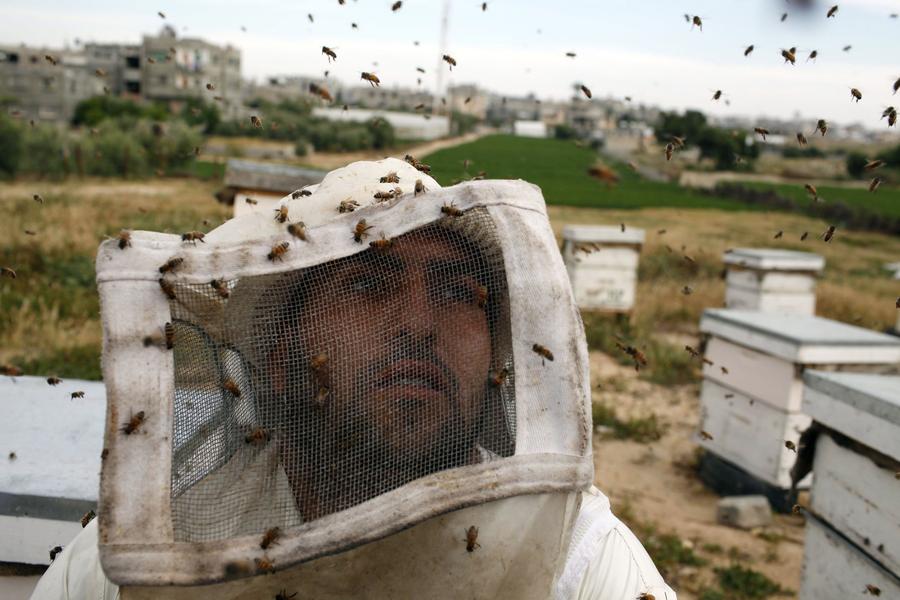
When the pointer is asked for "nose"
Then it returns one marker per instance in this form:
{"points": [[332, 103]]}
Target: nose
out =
{"points": [[416, 311]]}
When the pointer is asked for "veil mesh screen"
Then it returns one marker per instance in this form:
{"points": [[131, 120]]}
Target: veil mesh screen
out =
{"points": [[302, 394]]}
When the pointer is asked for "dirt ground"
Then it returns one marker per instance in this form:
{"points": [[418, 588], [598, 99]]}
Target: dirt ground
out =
{"points": [[655, 484]]}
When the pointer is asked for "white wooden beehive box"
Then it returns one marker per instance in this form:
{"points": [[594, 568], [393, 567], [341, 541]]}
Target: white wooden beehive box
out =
{"points": [[754, 407], [55, 476], [602, 263], [855, 488], [771, 280]]}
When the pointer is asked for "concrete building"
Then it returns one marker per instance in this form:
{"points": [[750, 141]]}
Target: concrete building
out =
{"points": [[468, 99], [120, 65], [45, 89]]}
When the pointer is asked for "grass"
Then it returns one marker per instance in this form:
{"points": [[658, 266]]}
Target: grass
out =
{"points": [[560, 167], [737, 582], [640, 429], [884, 201]]}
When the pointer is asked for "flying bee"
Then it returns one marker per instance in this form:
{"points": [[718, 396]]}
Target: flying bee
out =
{"points": [[640, 360], [483, 6], [873, 589], [696, 21], [169, 331], [193, 237], [449, 60], [281, 213], [390, 178], [831, 12], [570, 54], [451, 210], [321, 91], [361, 231], [822, 126], [472, 539], [264, 565], [420, 188], [87, 518], [270, 537], [310, 17], [812, 56], [804, 236], [778, 234], [790, 446], [231, 387], [210, 87], [278, 251], [670, 148], [784, 17], [168, 288], [382, 244], [419, 166], [543, 352], [761, 131], [586, 91], [717, 95], [298, 230], [829, 233], [347, 205], [221, 288], [896, 86], [396, 6], [134, 423], [801, 139], [874, 164], [789, 56], [811, 190], [687, 290], [257, 436], [420, 70], [37, 198], [171, 264], [75, 395], [283, 595], [7, 272], [329, 53], [372, 78], [705, 435], [54, 380], [255, 121], [54, 552], [873, 185], [678, 142], [124, 239], [748, 50], [498, 378], [856, 94], [51, 59]]}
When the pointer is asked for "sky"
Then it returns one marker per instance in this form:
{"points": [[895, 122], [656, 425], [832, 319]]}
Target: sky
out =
{"points": [[641, 49]]}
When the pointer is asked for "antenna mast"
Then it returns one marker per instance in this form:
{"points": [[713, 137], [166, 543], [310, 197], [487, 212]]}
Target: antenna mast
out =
{"points": [[439, 82]]}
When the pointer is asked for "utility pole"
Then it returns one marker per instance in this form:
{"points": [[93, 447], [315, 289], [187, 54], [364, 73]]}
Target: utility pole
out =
{"points": [[439, 81]]}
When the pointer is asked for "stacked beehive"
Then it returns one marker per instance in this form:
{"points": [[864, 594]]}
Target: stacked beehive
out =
{"points": [[753, 388], [602, 262], [768, 280], [853, 529]]}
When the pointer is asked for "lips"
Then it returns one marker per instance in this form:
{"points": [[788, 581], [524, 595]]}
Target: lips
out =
{"points": [[414, 374]]}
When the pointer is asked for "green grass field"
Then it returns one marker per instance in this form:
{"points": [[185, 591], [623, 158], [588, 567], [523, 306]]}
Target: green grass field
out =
{"points": [[884, 201], [560, 168]]}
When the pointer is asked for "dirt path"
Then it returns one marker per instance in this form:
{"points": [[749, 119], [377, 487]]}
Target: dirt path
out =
{"points": [[655, 484]]}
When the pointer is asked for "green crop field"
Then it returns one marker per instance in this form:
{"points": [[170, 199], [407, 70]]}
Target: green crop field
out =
{"points": [[560, 167], [884, 201]]}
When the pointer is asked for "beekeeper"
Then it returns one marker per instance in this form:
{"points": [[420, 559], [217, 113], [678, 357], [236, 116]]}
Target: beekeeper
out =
{"points": [[380, 390]]}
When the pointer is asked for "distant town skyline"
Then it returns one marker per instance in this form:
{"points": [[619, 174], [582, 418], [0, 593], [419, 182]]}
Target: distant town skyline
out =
{"points": [[643, 50]]}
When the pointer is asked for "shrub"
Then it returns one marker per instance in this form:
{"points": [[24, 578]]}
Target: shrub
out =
{"points": [[856, 164], [43, 152], [10, 146]]}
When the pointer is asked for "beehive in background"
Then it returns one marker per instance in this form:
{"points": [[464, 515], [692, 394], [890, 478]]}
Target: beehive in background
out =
{"points": [[752, 392], [263, 183], [602, 262], [770, 280], [853, 532]]}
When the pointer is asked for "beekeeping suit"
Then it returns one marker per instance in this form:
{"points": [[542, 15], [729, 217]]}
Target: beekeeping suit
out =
{"points": [[379, 391]]}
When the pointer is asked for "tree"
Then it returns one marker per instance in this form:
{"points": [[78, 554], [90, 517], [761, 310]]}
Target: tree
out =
{"points": [[10, 146], [856, 164]]}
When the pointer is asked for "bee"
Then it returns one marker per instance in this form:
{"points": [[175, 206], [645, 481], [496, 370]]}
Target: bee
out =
{"points": [[99, 72], [451, 211], [831, 12], [372, 78], [822, 125], [856, 94], [193, 237], [640, 360], [472, 539], [29, 232], [10, 370], [784, 17], [171, 264], [689, 259], [283, 595], [646, 596], [321, 91], [790, 446], [54, 380], [687, 290], [257, 436], [104, 453], [230, 386], [705, 435], [897, 85], [134, 423], [717, 95], [87, 518], [543, 352], [498, 378], [264, 565], [661, 231], [298, 230], [670, 148], [255, 121], [449, 60], [270, 537], [361, 231], [570, 54], [801, 139], [38, 198], [748, 50], [872, 589], [221, 288], [161, 14], [789, 56], [892, 118], [396, 6], [329, 53], [873, 185], [696, 21], [678, 142], [76, 395], [797, 509], [829, 233], [281, 213], [310, 17], [7, 272], [481, 296], [347, 205], [12, 456], [761, 131], [811, 190], [804, 236], [483, 6], [124, 239], [390, 178], [420, 188], [586, 91], [419, 166], [51, 59], [692, 351], [210, 87], [724, 370], [354, 26], [300, 193], [168, 288], [812, 56], [278, 251], [54, 552], [382, 196]]}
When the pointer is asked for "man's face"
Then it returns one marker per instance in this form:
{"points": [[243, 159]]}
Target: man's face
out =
{"points": [[408, 348]]}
